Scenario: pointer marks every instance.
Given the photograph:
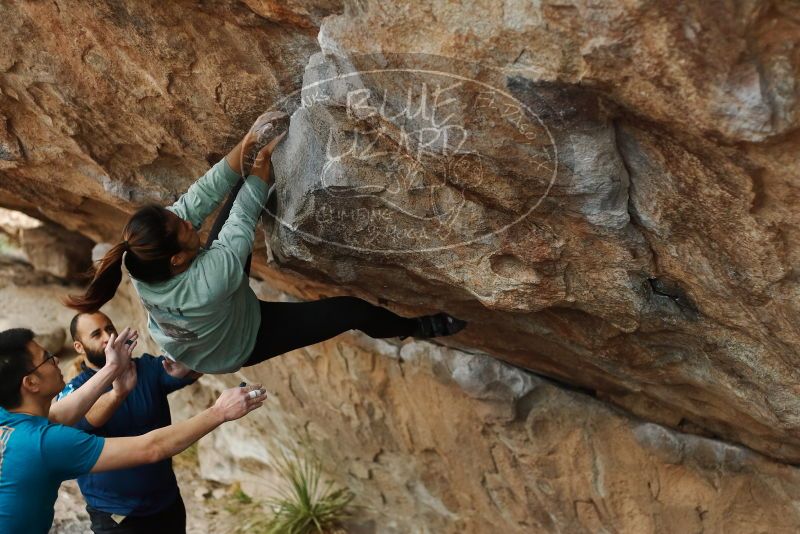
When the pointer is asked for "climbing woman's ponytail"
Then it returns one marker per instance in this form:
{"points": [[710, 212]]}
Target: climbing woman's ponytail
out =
{"points": [[150, 240], [104, 284]]}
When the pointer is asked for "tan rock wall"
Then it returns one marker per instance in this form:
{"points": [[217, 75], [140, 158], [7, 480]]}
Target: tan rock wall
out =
{"points": [[433, 439], [657, 272], [438, 440], [658, 269]]}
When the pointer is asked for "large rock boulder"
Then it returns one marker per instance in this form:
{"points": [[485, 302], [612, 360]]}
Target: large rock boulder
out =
{"points": [[605, 191], [569, 198]]}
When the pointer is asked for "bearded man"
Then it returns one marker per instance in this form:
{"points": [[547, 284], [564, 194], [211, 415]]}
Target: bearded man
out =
{"points": [[143, 499]]}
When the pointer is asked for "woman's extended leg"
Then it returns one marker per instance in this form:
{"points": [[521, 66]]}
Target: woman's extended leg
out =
{"points": [[287, 326]]}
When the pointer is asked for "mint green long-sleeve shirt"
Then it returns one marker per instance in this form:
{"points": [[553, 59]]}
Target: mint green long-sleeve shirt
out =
{"points": [[207, 317]]}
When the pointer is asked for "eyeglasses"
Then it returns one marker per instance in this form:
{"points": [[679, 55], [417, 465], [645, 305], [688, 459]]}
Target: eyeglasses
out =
{"points": [[47, 356]]}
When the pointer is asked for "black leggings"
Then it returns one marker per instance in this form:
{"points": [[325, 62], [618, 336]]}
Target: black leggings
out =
{"points": [[287, 326]]}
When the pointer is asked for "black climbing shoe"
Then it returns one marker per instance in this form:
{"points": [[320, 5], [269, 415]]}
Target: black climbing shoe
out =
{"points": [[437, 325]]}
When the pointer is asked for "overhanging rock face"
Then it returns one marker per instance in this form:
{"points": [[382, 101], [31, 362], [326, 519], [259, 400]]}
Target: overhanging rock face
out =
{"points": [[432, 439], [583, 232], [607, 191]]}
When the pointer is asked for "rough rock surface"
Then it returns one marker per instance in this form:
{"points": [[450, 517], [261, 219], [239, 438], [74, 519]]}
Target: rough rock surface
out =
{"points": [[120, 103], [433, 439], [440, 439], [616, 213], [606, 190], [53, 250]]}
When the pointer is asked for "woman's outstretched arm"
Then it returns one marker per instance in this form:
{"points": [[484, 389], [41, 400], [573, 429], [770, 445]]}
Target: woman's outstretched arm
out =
{"points": [[264, 129], [228, 253], [235, 158], [206, 193], [209, 190]]}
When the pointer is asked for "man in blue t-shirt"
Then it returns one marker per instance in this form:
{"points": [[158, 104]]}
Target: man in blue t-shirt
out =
{"points": [[142, 499], [36, 454]]}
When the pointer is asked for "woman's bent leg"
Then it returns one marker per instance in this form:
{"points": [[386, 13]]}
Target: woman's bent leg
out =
{"points": [[286, 326]]}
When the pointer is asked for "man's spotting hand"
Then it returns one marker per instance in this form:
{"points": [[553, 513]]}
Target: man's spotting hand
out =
{"points": [[119, 349], [234, 403]]}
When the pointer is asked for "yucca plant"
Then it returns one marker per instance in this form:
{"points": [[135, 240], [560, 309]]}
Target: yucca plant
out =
{"points": [[306, 505]]}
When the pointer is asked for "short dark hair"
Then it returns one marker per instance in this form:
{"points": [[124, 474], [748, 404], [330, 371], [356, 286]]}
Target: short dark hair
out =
{"points": [[73, 326], [15, 363]]}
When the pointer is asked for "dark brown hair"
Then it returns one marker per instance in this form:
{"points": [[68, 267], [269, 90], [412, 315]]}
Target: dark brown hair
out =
{"points": [[149, 240]]}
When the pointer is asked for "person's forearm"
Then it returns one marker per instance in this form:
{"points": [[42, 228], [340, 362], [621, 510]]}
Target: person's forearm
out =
{"points": [[102, 410], [264, 174], [168, 441], [156, 445], [235, 157], [71, 408], [238, 232], [163, 443]]}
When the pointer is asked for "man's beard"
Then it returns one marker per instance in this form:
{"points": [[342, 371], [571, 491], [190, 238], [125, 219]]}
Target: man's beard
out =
{"points": [[96, 358]]}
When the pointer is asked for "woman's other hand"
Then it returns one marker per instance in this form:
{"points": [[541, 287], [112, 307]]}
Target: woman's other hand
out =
{"points": [[264, 128], [261, 167]]}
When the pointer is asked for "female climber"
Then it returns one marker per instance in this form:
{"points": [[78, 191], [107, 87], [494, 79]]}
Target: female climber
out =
{"points": [[201, 308]]}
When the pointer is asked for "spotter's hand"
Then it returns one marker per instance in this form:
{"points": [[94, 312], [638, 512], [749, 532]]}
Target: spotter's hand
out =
{"points": [[120, 347]]}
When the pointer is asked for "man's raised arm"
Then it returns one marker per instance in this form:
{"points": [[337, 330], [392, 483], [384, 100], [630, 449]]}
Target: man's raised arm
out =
{"points": [[71, 408], [108, 403], [162, 443]]}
